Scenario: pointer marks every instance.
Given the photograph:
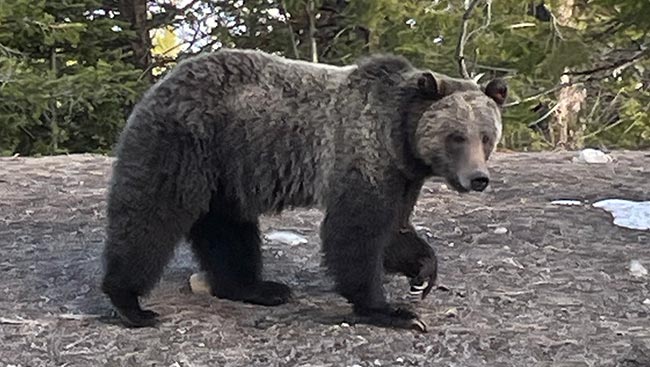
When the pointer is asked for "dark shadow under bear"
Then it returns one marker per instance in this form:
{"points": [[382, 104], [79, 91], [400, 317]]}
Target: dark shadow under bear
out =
{"points": [[229, 136]]}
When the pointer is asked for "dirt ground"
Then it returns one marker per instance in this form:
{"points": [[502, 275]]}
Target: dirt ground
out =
{"points": [[555, 290]]}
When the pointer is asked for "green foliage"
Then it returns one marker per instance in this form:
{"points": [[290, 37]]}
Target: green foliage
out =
{"points": [[63, 88]]}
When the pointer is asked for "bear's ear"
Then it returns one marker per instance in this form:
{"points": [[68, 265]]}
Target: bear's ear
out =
{"points": [[497, 89], [428, 85]]}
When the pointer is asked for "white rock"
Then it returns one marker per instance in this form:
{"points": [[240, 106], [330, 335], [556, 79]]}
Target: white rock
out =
{"points": [[513, 262], [627, 213], [501, 230], [286, 237], [199, 283], [637, 269], [451, 312], [646, 301], [593, 156]]}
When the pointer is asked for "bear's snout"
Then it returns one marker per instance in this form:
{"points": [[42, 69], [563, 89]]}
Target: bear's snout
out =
{"points": [[477, 180]]}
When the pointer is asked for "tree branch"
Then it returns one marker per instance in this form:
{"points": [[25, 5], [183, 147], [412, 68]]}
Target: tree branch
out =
{"points": [[292, 35], [615, 65], [464, 36], [9, 51], [486, 23], [171, 12], [554, 89], [544, 116], [334, 39], [309, 9]]}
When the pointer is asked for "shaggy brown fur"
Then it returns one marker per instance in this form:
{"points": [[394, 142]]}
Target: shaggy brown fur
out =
{"points": [[228, 136]]}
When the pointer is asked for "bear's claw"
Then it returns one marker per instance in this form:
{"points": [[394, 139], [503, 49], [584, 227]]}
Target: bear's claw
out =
{"points": [[399, 318], [138, 318]]}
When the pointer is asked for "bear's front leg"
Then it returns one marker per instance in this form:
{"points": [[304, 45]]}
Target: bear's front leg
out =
{"points": [[358, 225], [409, 254]]}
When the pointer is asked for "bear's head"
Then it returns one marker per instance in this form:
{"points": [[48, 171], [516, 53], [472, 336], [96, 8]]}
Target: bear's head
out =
{"points": [[457, 130]]}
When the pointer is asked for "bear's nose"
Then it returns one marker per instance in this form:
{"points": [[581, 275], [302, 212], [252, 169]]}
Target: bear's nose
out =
{"points": [[479, 181]]}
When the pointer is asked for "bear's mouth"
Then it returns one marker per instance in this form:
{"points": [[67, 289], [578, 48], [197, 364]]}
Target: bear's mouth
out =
{"points": [[456, 185]]}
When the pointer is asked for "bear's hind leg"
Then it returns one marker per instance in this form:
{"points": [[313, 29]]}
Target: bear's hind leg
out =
{"points": [[228, 250]]}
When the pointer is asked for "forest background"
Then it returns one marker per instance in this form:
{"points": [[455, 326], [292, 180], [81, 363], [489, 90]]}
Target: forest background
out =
{"points": [[578, 70]]}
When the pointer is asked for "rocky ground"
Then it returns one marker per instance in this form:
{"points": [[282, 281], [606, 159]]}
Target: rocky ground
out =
{"points": [[554, 290]]}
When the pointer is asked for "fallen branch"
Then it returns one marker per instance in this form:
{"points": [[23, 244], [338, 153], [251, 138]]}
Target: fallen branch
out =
{"points": [[20, 321], [79, 317]]}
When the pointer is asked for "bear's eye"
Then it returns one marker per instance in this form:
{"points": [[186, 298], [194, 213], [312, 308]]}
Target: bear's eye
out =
{"points": [[485, 139], [457, 138]]}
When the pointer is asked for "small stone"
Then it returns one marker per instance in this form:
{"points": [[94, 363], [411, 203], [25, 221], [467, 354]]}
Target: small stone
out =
{"points": [[637, 269], [593, 156], [646, 301], [345, 324], [452, 312], [286, 237], [501, 230], [399, 360], [199, 283], [513, 262]]}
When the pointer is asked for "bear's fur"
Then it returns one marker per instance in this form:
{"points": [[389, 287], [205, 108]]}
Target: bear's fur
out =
{"points": [[231, 135]]}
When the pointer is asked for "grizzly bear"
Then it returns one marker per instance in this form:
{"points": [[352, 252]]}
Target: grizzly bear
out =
{"points": [[228, 136]]}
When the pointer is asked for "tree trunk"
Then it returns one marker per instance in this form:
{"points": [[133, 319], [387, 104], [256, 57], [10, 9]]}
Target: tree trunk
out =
{"points": [[566, 125], [135, 13], [310, 10], [565, 11]]}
